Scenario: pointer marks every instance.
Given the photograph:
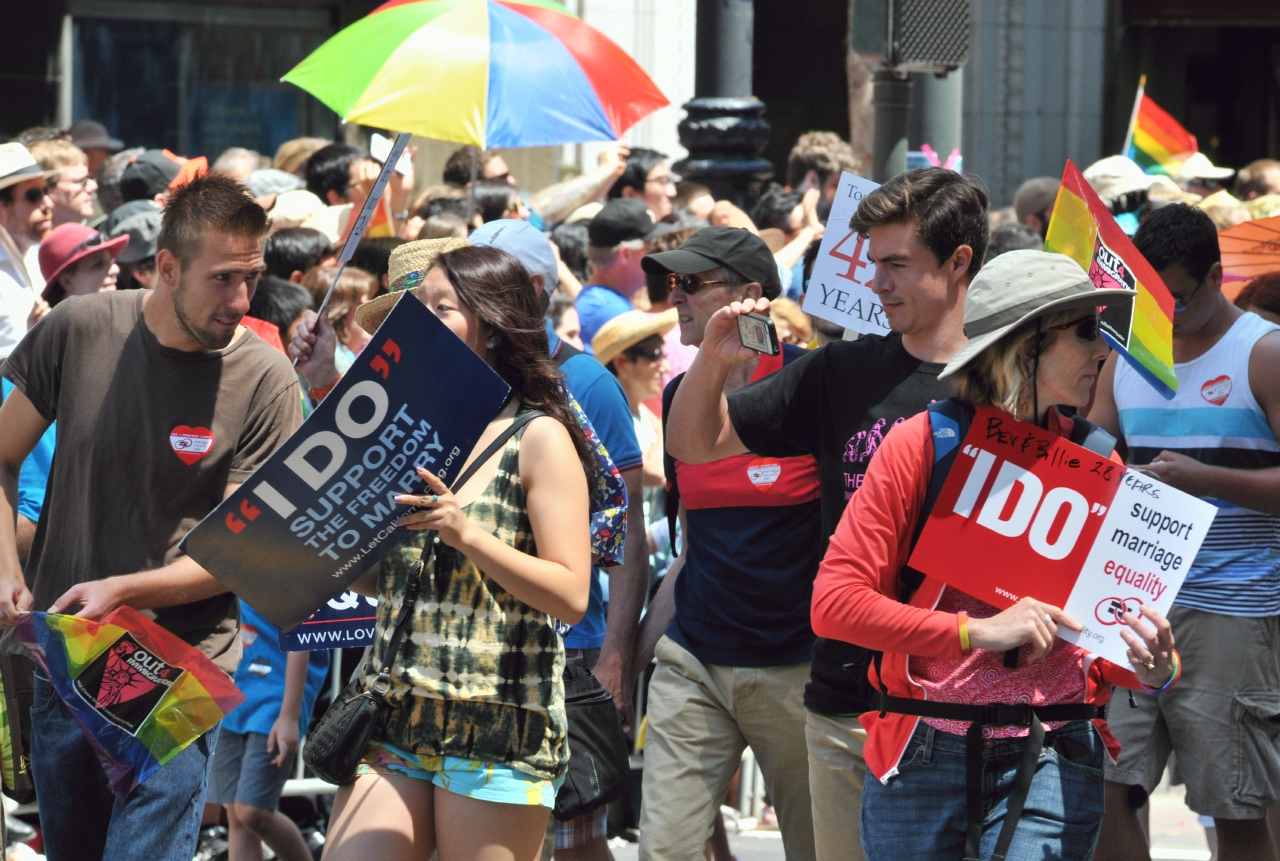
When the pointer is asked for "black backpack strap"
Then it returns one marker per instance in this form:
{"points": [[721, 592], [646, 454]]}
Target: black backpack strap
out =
{"points": [[566, 352], [673, 492], [1085, 433]]}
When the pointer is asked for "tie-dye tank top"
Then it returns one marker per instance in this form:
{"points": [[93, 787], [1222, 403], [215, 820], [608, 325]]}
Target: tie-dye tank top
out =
{"points": [[479, 672]]}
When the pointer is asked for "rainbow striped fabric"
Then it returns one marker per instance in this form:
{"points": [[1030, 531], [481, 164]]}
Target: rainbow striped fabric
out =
{"points": [[140, 694], [1083, 229], [1159, 143]]}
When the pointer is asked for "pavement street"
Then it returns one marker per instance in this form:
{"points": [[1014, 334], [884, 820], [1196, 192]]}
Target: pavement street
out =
{"points": [[1176, 835]]}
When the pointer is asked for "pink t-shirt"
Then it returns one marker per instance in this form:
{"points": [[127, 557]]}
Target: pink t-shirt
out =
{"points": [[982, 676]]}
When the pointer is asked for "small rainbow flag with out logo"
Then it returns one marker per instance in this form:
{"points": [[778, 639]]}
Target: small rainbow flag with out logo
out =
{"points": [[1083, 229], [1156, 141], [140, 694]]}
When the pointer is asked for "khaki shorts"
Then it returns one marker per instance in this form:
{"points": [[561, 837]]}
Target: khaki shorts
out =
{"points": [[1222, 718]]}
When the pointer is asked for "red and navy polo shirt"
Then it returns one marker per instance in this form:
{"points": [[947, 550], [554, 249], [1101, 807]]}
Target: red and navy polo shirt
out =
{"points": [[754, 542]]}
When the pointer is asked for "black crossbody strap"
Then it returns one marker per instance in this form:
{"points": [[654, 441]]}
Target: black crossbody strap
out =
{"points": [[501, 440], [382, 683]]}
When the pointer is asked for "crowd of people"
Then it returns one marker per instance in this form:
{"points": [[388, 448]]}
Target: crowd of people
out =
{"points": [[761, 595]]}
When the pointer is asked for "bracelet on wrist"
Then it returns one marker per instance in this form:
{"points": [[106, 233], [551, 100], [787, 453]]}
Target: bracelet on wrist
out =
{"points": [[318, 394], [1173, 677], [964, 630]]}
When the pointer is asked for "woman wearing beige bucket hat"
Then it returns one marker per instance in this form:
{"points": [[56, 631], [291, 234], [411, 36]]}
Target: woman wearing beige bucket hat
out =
{"points": [[470, 748], [956, 776], [631, 347]]}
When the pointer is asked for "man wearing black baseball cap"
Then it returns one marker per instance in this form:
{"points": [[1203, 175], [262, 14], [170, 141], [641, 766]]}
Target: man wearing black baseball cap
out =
{"points": [[732, 633], [618, 238]]}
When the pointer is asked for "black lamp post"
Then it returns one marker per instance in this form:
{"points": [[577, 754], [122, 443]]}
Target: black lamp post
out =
{"points": [[725, 130]]}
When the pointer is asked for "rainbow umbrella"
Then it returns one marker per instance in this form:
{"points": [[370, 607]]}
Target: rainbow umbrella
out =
{"points": [[493, 73]]}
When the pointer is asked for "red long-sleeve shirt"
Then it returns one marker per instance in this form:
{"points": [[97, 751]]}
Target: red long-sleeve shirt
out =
{"points": [[854, 595]]}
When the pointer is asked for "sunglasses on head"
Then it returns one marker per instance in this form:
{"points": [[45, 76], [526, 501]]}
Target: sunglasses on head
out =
{"points": [[653, 354], [1087, 328], [690, 284]]}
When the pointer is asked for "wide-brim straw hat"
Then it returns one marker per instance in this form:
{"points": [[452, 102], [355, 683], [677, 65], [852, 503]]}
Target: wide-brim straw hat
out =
{"points": [[407, 267], [626, 330], [1019, 286]]}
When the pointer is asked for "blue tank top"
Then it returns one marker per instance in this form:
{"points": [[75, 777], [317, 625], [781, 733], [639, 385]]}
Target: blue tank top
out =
{"points": [[1215, 419]]}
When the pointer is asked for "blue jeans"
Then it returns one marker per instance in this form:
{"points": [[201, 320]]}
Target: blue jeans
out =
{"points": [[83, 821], [920, 813]]}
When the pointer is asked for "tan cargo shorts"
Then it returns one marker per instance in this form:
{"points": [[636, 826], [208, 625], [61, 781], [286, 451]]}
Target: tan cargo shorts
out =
{"points": [[1222, 718]]}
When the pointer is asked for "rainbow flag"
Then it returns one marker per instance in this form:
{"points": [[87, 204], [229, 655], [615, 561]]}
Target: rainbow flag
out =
{"points": [[1083, 229], [1157, 142], [140, 694]]}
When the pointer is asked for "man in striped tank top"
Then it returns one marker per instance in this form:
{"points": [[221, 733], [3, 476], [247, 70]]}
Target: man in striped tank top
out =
{"points": [[1217, 439]]}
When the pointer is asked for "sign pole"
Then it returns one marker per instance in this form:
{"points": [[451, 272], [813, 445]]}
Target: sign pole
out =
{"points": [[356, 233]]}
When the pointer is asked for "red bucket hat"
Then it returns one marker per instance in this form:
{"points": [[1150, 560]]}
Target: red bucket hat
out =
{"points": [[68, 243]]}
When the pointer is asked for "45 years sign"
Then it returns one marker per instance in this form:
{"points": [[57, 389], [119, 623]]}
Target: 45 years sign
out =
{"points": [[1025, 513]]}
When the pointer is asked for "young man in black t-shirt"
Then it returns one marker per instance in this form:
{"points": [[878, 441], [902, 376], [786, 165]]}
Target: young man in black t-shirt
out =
{"points": [[928, 236]]}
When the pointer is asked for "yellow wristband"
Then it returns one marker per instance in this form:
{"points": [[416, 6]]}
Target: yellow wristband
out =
{"points": [[964, 630]]}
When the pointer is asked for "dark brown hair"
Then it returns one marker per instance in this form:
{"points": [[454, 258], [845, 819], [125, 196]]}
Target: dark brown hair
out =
{"points": [[1262, 292], [949, 209], [210, 203], [496, 288]]}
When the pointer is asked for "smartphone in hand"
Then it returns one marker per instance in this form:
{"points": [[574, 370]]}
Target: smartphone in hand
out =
{"points": [[757, 332]]}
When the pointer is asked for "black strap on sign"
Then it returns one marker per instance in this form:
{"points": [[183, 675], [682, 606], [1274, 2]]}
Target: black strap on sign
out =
{"points": [[957, 418], [382, 683]]}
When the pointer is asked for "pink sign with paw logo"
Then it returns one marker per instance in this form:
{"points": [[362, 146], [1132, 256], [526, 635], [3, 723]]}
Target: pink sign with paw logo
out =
{"points": [[1026, 513]]}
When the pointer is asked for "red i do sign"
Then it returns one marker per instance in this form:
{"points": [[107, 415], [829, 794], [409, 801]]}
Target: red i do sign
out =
{"points": [[1025, 513]]}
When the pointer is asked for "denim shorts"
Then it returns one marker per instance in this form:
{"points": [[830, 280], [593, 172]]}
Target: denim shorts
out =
{"points": [[920, 812], [484, 781]]}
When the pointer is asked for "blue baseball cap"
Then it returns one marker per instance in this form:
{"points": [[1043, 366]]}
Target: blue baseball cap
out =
{"points": [[524, 242]]}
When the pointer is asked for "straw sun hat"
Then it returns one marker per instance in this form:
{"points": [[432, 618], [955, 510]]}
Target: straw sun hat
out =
{"points": [[408, 266], [626, 330], [1019, 286]]}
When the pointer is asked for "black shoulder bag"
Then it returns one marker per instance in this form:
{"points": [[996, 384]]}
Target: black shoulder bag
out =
{"points": [[335, 748], [599, 759]]}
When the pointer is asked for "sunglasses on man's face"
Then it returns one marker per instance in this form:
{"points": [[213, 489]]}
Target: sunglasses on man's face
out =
{"points": [[1087, 328], [33, 196], [690, 284]]}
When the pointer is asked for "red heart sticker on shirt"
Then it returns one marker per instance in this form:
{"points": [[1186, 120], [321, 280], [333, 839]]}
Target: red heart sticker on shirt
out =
{"points": [[763, 473], [190, 444], [1216, 391]]}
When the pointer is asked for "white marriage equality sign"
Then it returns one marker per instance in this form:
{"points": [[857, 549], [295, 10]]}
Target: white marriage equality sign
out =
{"points": [[839, 288]]}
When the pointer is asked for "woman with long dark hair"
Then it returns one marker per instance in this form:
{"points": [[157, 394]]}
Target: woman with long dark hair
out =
{"points": [[470, 749]]}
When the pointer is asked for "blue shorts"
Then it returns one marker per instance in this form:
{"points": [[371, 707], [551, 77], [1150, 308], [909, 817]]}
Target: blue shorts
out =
{"points": [[485, 781]]}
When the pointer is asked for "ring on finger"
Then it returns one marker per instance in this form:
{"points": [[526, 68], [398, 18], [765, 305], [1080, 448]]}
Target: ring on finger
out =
{"points": [[1150, 663], [1047, 619], [434, 500]]}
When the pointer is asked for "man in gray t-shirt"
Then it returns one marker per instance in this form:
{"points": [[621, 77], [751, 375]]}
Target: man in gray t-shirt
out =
{"points": [[164, 405]]}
